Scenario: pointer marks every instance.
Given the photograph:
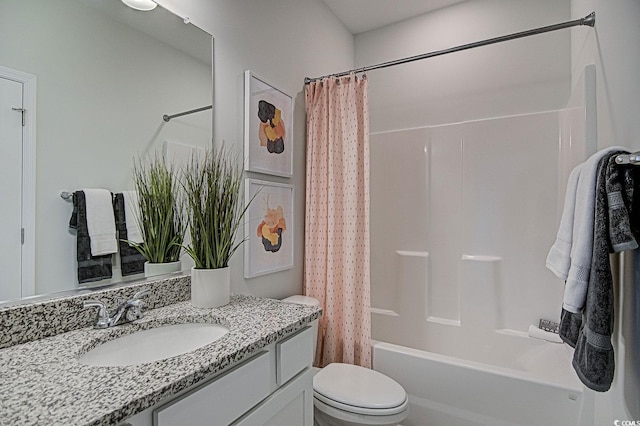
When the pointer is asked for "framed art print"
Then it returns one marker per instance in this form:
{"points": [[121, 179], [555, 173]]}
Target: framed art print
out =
{"points": [[268, 124], [268, 228]]}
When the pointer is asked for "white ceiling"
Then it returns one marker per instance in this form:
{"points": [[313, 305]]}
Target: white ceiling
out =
{"points": [[364, 15]]}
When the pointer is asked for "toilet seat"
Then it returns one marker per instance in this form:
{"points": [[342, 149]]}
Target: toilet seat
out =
{"points": [[359, 390], [374, 412]]}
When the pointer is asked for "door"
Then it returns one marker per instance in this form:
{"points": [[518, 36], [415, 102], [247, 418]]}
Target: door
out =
{"points": [[11, 122]]}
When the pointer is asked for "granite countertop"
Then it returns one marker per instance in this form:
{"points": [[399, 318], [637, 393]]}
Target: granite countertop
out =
{"points": [[43, 383]]}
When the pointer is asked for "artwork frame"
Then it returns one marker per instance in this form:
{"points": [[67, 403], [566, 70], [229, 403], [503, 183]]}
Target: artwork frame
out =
{"points": [[269, 227], [268, 128]]}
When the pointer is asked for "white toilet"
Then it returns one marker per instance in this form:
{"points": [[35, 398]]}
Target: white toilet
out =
{"points": [[349, 395]]}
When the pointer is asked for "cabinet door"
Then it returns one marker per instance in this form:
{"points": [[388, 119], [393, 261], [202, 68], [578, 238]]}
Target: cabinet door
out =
{"points": [[223, 400], [294, 354], [292, 404]]}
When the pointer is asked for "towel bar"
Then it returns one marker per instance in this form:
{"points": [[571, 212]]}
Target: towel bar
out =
{"points": [[628, 158], [68, 196]]}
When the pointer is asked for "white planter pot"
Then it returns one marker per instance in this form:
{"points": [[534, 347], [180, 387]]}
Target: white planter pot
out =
{"points": [[153, 269], [210, 288]]}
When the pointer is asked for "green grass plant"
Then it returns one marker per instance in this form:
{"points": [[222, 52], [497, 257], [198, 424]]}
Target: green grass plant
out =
{"points": [[162, 220], [215, 205]]}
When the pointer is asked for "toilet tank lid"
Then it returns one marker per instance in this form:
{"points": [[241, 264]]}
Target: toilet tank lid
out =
{"points": [[302, 300]]}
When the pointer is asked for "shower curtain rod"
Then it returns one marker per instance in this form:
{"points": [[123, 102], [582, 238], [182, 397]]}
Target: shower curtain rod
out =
{"points": [[589, 20], [169, 117]]}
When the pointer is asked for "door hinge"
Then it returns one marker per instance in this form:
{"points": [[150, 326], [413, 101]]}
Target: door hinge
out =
{"points": [[22, 235], [23, 111]]}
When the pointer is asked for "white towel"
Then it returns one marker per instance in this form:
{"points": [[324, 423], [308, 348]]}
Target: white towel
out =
{"points": [[131, 215], [539, 333], [559, 257], [101, 222], [575, 291]]}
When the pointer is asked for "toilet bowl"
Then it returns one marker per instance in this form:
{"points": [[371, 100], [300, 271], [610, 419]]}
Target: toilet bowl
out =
{"points": [[350, 395]]}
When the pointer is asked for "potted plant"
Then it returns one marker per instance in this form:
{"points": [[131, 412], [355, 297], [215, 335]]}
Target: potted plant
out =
{"points": [[161, 216], [213, 189]]}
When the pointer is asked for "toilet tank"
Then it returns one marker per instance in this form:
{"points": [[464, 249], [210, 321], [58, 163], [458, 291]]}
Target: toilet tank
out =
{"points": [[310, 301]]}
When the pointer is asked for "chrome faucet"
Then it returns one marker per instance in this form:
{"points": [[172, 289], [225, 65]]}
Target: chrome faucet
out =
{"points": [[132, 310]]}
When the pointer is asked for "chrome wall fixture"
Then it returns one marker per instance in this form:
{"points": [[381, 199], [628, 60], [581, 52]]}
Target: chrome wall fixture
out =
{"points": [[589, 20], [180, 114], [628, 158]]}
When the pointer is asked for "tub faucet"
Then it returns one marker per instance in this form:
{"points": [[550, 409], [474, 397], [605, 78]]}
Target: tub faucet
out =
{"points": [[132, 310]]}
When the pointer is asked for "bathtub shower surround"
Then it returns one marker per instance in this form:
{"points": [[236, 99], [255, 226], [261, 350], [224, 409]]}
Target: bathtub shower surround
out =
{"points": [[337, 241], [471, 227], [460, 276]]}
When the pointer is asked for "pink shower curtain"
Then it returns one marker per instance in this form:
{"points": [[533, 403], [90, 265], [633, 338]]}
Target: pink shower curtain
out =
{"points": [[337, 217]]}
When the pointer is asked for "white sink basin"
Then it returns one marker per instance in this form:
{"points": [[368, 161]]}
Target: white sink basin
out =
{"points": [[153, 344]]}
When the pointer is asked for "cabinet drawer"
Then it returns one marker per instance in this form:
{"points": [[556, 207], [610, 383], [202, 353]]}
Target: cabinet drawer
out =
{"points": [[223, 400], [294, 355]]}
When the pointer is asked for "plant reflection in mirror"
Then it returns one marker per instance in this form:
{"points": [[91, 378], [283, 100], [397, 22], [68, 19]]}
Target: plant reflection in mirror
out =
{"points": [[161, 216]]}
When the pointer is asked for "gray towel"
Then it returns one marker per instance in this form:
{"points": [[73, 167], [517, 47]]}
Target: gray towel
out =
{"points": [[619, 189], [593, 358], [131, 260], [90, 268], [569, 328]]}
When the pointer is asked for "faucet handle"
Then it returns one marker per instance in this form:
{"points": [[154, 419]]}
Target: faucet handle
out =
{"points": [[103, 314], [135, 305], [139, 294]]}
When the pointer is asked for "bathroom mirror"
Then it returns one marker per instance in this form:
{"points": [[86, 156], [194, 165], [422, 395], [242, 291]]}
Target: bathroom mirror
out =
{"points": [[105, 75]]}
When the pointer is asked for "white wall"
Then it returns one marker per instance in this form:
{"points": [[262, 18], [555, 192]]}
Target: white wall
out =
{"points": [[282, 41], [613, 47], [514, 77]]}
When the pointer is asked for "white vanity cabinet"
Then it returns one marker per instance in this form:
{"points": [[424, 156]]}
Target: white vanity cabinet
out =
{"points": [[272, 387]]}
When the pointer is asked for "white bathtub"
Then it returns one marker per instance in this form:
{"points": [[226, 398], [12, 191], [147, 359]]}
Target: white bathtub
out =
{"points": [[537, 387]]}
